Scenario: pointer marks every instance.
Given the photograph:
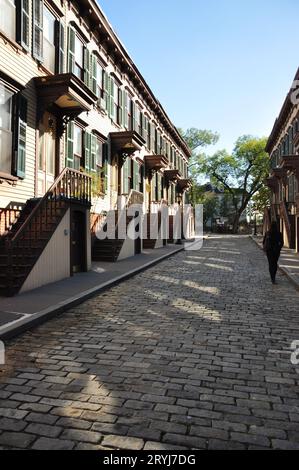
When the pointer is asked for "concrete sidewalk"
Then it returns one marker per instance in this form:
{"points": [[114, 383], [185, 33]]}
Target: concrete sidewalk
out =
{"points": [[288, 262], [24, 311]]}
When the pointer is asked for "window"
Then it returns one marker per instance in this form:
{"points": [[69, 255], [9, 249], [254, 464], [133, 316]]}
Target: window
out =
{"points": [[157, 142], [138, 120], [116, 103], [141, 178], [159, 187], [49, 40], [104, 169], [291, 188], [37, 19], [138, 177], [13, 126], [152, 136], [8, 18], [6, 109], [99, 155], [148, 142], [79, 55], [78, 141], [100, 83], [127, 111]]}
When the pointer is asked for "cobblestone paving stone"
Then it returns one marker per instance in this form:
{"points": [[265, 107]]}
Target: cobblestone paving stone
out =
{"points": [[193, 353]]}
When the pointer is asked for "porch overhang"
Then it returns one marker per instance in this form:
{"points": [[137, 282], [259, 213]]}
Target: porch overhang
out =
{"points": [[126, 142], [184, 184], [155, 162], [172, 175], [279, 173], [272, 183], [65, 92], [290, 163]]}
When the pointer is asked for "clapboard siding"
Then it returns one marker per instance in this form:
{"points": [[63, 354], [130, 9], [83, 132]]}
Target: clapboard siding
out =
{"points": [[20, 66]]}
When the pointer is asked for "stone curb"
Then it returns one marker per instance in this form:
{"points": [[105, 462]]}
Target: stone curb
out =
{"points": [[285, 271], [31, 321]]}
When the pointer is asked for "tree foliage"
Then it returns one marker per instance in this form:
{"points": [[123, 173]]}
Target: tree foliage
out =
{"points": [[241, 173], [197, 140]]}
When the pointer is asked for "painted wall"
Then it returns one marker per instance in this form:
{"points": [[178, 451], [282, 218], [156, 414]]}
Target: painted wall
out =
{"points": [[54, 263]]}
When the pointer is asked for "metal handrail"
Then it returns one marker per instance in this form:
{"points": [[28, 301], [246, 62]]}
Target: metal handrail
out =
{"points": [[8, 217], [49, 195]]}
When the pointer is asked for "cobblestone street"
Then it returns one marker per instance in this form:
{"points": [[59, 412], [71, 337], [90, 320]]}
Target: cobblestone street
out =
{"points": [[193, 353]]}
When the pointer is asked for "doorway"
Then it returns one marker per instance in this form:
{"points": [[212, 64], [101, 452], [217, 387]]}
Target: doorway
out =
{"points": [[78, 245], [46, 153], [138, 230]]}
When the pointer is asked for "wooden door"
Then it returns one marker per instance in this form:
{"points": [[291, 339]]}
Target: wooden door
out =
{"points": [[47, 153], [78, 242]]}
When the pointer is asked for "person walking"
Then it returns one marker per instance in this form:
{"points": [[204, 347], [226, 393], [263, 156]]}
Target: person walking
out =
{"points": [[272, 244]]}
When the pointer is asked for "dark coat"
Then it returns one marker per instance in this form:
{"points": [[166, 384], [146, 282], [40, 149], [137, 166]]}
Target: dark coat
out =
{"points": [[273, 242]]}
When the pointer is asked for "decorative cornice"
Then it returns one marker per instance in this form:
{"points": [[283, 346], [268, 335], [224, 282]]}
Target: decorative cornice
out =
{"points": [[109, 38]]}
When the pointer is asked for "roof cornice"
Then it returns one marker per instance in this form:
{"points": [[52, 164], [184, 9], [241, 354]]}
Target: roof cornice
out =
{"points": [[115, 48], [281, 119]]}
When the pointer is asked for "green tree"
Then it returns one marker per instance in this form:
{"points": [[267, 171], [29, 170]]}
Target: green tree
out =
{"points": [[241, 174], [197, 140], [261, 199], [210, 202]]}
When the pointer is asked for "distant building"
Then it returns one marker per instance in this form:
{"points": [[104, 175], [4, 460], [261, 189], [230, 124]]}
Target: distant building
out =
{"points": [[283, 149], [224, 211]]}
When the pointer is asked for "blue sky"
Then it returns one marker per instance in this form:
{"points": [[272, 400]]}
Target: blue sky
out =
{"points": [[224, 65]]}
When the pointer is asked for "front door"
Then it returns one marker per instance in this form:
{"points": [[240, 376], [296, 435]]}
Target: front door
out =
{"points": [[78, 241], [46, 157]]}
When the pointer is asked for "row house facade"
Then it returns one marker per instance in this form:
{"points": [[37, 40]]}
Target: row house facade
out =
{"points": [[79, 129], [283, 149]]}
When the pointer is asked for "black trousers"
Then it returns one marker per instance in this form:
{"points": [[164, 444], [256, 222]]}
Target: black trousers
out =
{"points": [[273, 258]]}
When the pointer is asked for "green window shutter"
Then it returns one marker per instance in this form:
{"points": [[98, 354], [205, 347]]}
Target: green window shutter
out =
{"points": [[71, 49], [145, 126], [20, 136], [141, 178], [105, 166], [111, 98], [106, 90], [140, 124], [154, 187], [152, 137], [93, 74], [37, 27], [70, 145], [59, 43], [136, 180], [93, 152], [125, 108], [126, 176], [121, 107], [23, 19], [159, 186], [158, 143], [134, 127], [87, 67], [163, 146], [87, 145]]}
